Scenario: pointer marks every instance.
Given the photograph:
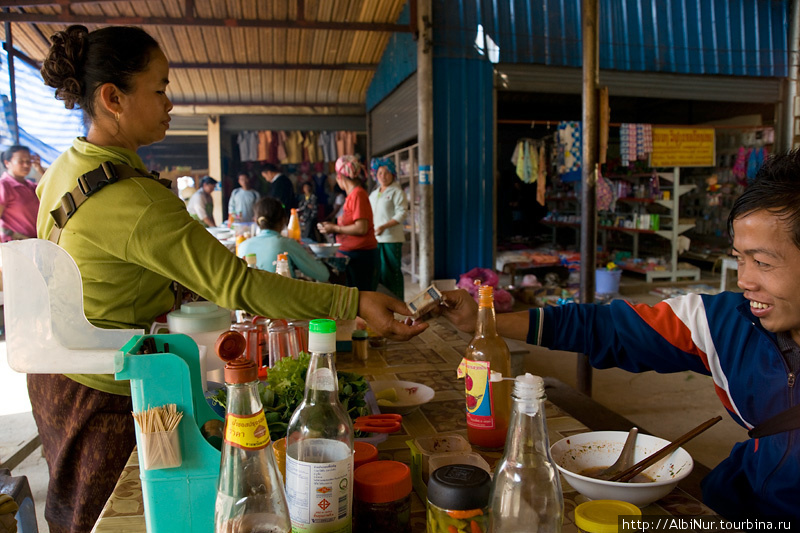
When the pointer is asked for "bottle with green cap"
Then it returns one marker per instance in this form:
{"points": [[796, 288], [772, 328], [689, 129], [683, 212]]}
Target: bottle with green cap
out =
{"points": [[319, 444]]}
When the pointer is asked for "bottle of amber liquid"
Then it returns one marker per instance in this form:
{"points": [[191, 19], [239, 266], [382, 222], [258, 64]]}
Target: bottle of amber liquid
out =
{"points": [[488, 401]]}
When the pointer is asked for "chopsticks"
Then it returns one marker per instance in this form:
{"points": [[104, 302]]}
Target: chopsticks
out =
{"points": [[630, 473]]}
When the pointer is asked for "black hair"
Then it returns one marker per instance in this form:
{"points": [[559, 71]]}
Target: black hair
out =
{"points": [[79, 62], [270, 167], [13, 149], [776, 189], [208, 180], [269, 213]]}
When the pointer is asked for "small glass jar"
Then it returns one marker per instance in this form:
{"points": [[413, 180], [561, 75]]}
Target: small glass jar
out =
{"points": [[458, 497], [360, 344], [382, 491], [602, 516]]}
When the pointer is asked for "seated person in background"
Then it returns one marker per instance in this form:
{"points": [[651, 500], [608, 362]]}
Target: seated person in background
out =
{"points": [[271, 218], [749, 343], [242, 199], [201, 204]]}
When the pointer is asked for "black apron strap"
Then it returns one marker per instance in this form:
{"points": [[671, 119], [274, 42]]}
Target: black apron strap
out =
{"points": [[88, 184]]}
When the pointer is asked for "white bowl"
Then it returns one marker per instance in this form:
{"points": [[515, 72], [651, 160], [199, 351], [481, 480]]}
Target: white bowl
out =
{"points": [[601, 448], [325, 249], [410, 395]]}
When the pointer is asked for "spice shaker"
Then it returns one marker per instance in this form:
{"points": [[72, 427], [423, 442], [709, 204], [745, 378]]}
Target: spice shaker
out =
{"points": [[458, 497], [360, 344], [602, 516], [382, 498]]}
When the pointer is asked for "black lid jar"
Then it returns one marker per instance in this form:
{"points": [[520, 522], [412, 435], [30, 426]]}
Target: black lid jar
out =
{"points": [[458, 495]]}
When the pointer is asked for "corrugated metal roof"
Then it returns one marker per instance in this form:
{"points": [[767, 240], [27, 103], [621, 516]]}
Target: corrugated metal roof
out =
{"points": [[728, 37], [313, 56]]}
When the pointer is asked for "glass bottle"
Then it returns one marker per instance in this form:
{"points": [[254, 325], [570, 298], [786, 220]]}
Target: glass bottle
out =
{"points": [[488, 401], [250, 496], [293, 231], [319, 444], [282, 265], [526, 490]]}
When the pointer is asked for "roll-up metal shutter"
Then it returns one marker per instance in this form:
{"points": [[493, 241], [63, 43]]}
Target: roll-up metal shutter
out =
{"points": [[544, 79], [394, 120]]}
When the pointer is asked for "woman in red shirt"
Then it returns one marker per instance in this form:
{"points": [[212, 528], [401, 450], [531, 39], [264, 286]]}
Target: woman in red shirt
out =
{"points": [[354, 229]]}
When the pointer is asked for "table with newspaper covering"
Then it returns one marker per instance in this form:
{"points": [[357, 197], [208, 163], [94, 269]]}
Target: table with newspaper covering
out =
{"points": [[430, 359]]}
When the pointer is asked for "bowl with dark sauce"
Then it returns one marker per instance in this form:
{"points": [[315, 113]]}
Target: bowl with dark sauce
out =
{"points": [[579, 457]]}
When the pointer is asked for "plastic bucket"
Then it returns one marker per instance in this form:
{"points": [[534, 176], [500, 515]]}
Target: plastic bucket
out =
{"points": [[607, 281]]}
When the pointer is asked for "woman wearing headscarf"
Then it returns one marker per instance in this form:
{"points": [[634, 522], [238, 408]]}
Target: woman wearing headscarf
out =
{"points": [[389, 206], [354, 228]]}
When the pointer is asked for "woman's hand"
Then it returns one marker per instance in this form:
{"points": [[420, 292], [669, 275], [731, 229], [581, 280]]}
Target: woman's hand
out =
{"points": [[378, 311], [327, 227]]}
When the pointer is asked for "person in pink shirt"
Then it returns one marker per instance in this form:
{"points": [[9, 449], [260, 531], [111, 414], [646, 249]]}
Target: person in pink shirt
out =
{"points": [[19, 204], [354, 229]]}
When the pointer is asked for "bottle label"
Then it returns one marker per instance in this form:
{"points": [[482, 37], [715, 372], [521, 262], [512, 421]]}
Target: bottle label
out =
{"points": [[480, 413], [248, 432], [320, 495]]}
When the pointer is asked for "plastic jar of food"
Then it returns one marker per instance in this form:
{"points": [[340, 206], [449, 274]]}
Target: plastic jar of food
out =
{"points": [[363, 453], [382, 491], [602, 516], [458, 497]]}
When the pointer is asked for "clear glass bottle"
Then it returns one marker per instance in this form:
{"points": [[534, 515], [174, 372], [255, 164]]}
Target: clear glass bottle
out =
{"points": [[250, 496], [526, 490], [488, 402], [319, 444]]}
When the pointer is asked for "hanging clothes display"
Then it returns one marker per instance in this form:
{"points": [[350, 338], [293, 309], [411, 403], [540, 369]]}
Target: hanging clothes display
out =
{"points": [[568, 150], [526, 160], [248, 145], [636, 142]]}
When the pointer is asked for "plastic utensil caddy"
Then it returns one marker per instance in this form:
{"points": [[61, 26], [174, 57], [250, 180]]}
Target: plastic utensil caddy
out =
{"points": [[177, 499], [47, 332]]}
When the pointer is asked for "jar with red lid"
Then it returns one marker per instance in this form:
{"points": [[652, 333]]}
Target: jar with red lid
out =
{"points": [[382, 498]]}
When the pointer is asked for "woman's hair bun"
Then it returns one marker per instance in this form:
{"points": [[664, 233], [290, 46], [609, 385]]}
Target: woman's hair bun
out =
{"points": [[62, 69]]}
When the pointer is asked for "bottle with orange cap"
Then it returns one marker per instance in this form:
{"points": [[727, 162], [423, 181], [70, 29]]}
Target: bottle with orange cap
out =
{"points": [[282, 265], [293, 231], [382, 498], [486, 361], [250, 495]]}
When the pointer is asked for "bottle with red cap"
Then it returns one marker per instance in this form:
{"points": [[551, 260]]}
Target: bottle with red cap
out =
{"points": [[250, 496]]}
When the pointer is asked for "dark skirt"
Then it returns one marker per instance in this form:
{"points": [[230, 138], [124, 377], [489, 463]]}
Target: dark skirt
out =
{"points": [[87, 437], [391, 277], [362, 269]]}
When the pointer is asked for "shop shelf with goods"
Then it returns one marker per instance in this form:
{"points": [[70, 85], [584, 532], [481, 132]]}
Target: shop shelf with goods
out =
{"points": [[654, 209], [647, 204], [405, 161]]}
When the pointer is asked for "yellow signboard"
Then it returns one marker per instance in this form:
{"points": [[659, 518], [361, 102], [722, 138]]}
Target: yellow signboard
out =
{"points": [[683, 147]]}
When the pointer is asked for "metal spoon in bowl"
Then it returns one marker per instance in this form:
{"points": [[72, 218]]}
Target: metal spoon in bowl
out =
{"points": [[625, 459]]}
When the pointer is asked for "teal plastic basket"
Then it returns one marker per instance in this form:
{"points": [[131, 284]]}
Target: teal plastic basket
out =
{"points": [[180, 499]]}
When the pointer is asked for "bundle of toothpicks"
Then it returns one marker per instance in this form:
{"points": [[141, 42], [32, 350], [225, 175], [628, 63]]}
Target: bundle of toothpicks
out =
{"points": [[156, 425]]}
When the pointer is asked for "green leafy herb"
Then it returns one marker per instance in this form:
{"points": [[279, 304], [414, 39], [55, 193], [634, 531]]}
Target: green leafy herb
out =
{"points": [[285, 387]]}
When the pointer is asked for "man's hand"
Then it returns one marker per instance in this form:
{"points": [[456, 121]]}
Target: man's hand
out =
{"points": [[459, 308], [378, 311]]}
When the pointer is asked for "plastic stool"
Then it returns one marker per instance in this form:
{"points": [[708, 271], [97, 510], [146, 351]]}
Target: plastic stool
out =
{"points": [[728, 263], [19, 489]]}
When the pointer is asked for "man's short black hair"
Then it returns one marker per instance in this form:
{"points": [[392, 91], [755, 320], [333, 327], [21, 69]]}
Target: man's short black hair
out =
{"points": [[776, 188], [270, 167], [208, 180]]}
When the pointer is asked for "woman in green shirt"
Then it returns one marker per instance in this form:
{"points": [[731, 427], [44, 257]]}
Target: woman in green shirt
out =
{"points": [[130, 240]]}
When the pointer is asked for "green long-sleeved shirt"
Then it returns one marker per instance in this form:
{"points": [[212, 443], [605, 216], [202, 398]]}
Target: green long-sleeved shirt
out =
{"points": [[132, 238]]}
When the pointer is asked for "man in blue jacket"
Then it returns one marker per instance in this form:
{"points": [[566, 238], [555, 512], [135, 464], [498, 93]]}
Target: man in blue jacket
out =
{"points": [[748, 342]]}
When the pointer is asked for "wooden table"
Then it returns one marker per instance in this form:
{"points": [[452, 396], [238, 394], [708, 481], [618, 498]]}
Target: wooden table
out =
{"points": [[431, 359]]}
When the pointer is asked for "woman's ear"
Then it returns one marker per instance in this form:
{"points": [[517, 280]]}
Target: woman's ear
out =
{"points": [[109, 98]]}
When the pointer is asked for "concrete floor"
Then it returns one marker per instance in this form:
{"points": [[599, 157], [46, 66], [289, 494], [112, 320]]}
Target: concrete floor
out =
{"points": [[667, 405]]}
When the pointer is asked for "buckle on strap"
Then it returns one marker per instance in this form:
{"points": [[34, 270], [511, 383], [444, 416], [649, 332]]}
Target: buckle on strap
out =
{"points": [[67, 209], [96, 179]]}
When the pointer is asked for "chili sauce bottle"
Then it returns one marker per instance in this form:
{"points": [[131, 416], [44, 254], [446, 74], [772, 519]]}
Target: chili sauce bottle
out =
{"points": [[488, 400]]}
